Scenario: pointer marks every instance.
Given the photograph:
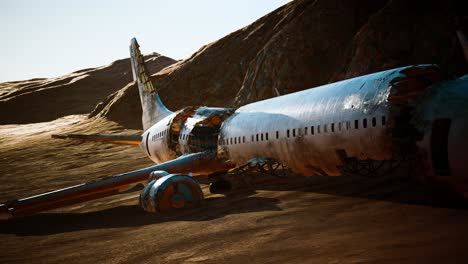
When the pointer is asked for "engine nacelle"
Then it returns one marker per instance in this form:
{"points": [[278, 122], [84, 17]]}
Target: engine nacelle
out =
{"points": [[156, 175], [169, 192]]}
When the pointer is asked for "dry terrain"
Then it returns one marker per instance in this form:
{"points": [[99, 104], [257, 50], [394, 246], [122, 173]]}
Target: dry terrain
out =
{"points": [[290, 219]]}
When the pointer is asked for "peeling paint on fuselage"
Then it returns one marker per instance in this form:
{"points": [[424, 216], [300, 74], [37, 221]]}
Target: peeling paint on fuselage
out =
{"points": [[381, 116], [354, 116]]}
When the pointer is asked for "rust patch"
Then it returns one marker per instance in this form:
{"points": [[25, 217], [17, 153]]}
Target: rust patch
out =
{"points": [[413, 83]]}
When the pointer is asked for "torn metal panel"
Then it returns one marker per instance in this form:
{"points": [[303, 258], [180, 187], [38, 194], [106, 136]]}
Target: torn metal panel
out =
{"points": [[192, 129], [199, 131]]}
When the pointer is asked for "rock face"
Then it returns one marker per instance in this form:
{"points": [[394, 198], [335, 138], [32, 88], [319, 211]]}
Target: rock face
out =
{"points": [[300, 45], [40, 100], [305, 44]]}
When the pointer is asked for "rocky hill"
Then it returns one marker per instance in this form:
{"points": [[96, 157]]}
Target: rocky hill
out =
{"points": [[300, 45], [305, 44], [39, 100]]}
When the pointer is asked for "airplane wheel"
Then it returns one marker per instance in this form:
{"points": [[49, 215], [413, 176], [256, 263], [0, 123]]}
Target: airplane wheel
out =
{"points": [[220, 187], [171, 192]]}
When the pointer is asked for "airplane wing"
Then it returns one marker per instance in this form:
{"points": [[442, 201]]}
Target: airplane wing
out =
{"points": [[197, 163], [113, 139]]}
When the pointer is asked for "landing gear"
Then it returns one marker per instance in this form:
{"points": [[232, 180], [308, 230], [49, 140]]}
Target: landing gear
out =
{"points": [[259, 165], [220, 187], [171, 192], [369, 168]]}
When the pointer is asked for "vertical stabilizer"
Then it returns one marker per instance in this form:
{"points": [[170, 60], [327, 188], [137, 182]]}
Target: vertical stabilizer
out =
{"points": [[153, 109]]}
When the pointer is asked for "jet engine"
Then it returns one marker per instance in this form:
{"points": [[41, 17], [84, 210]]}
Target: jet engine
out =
{"points": [[167, 192]]}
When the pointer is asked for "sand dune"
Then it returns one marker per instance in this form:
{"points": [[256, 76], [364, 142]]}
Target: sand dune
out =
{"points": [[39, 100]]}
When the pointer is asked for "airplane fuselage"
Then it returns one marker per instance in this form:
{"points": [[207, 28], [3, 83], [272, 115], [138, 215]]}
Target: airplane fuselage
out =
{"points": [[316, 131]]}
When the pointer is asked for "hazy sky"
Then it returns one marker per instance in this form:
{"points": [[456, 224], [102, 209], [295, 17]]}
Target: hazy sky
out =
{"points": [[48, 38]]}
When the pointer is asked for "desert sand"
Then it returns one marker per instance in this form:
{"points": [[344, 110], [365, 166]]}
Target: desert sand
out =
{"points": [[267, 219]]}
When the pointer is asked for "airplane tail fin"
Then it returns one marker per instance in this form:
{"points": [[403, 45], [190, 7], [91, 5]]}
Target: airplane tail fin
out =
{"points": [[153, 108]]}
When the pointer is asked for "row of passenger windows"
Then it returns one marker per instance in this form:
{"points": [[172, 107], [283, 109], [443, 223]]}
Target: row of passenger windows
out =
{"points": [[326, 128], [159, 134], [183, 136]]}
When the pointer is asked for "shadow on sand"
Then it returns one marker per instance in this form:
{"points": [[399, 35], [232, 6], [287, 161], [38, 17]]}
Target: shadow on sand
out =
{"points": [[393, 188], [397, 187], [132, 215]]}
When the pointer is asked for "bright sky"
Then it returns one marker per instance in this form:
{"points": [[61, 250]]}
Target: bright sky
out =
{"points": [[49, 38]]}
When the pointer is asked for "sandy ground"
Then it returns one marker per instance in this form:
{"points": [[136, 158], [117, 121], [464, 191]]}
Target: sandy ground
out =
{"points": [[270, 220]]}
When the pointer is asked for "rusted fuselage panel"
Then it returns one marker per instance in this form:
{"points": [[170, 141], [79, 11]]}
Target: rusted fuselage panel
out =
{"points": [[199, 131], [315, 130], [190, 130], [442, 117]]}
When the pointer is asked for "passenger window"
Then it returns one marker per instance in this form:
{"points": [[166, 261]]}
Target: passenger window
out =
{"points": [[261, 136], [230, 139], [384, 120], [256, 136], [243, 139], [348, 125], [339, 126], [333, 127], [312, 130], [374, 122], [305, 131], [356, 124], [277, 134], [364, 123], [239, 140], [287, 133], [235, 140], [294, 132], [318, 129], [325, 130], [266, 136]]}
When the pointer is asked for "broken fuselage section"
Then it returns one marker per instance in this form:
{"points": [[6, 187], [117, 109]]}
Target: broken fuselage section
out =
{"points": [[385, 116], [190, 130]]}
